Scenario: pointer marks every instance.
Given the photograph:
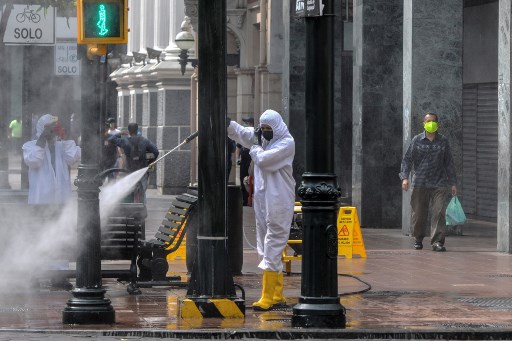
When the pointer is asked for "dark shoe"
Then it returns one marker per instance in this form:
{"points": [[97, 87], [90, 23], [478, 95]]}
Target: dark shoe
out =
{"points": [[438, 247], [418, 245]]}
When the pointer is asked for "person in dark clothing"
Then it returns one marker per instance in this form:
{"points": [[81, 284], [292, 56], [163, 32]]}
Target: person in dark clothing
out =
{"points": [[139, 152], [244, 161], [231, 147], [429, 160]]}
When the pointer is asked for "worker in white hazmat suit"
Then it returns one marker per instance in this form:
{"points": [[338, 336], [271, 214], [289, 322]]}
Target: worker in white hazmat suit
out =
{"points": [[272, 150], [48, 159]]}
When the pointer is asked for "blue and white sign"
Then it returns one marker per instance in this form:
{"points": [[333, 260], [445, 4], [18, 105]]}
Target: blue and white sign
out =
{"points": [[31, 25]]}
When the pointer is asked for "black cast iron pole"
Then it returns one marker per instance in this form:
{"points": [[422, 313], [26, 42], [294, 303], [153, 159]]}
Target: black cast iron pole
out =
{"points": [[211, 276], [319, 305], [88, 304]]}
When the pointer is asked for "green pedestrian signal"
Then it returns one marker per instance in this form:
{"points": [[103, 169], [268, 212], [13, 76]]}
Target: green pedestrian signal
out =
{"points": [[102, 21]]}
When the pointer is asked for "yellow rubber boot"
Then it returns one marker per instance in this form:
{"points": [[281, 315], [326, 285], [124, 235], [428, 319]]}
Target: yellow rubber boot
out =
{"points": [[267, 294], [279, 298]]}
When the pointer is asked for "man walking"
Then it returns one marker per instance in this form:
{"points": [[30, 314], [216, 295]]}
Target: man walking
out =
{"points": [[430, 161]]}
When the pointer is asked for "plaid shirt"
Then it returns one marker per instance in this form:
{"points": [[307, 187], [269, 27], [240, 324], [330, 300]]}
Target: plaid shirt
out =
{"points": [[430, 162]]}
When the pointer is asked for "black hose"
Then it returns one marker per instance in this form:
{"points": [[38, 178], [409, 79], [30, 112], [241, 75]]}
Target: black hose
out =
{"points": [[241, 289], [368, 288]]}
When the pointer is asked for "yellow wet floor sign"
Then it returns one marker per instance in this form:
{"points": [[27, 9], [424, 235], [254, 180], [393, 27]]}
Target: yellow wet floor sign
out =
{"points": [[350, 238]]}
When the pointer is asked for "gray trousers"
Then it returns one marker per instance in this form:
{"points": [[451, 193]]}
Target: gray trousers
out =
{"points": [[421, 200]]}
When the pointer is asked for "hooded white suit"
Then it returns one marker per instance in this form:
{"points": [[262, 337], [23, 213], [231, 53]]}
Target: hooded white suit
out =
{"points": [[274, 186], [49, 185]]}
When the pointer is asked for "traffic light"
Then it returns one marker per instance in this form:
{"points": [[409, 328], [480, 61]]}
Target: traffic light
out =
{"points": [[102, 21]]}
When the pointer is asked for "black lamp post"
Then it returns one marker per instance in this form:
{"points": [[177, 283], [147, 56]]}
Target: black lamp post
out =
{"points": [[88, 304], [211, 281], [185, 41], [319, 305]]}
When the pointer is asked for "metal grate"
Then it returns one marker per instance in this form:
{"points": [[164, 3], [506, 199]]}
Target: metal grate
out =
{"points": [[489, 302], [458, 325], [500, 275], [10, 309]]}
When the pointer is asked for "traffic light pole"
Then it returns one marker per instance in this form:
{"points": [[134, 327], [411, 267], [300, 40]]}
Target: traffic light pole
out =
{"points": [[88, 304], [319, 305], [98, 23]]}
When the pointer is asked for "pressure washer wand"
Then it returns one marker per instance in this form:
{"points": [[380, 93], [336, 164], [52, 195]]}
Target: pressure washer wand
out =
{"points": [[185, 141]]}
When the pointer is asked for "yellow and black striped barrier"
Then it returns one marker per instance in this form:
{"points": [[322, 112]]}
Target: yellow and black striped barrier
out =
{"points": [[211, 308]]}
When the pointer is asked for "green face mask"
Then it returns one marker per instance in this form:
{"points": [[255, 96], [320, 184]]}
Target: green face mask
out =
{"points": [[430, 127]]}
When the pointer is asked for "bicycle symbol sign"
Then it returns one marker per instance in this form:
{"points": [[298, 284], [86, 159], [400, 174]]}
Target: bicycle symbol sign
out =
{"points": [[28, 14], [28, 25]]}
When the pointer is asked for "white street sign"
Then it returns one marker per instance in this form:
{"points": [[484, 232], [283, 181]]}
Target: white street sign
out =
{"points": [[66, 61], [27, 25]]}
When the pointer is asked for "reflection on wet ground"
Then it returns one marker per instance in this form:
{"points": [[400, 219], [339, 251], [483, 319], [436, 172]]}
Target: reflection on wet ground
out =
{"points": [[464, 293], [411, 291]]}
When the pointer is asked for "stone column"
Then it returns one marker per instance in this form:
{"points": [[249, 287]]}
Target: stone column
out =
{"points": [[244, 96], [297, 91], [176, 9], [123, 106], [149, 25], [377, 116], [504, 234], [135, 24], [135, 103], [173, 126], [149, 119], [432, 76], [271, 91]]}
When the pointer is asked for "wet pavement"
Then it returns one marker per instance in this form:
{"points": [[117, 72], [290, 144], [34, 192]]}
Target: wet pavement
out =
{"points": [[464, 293]]}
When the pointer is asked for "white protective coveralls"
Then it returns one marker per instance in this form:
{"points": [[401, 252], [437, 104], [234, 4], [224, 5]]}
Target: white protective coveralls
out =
{"points": [[274, 186], [49, 185]]}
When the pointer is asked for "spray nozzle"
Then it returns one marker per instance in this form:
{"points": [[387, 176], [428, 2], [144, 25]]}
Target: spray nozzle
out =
{"points": [[191, 137]]}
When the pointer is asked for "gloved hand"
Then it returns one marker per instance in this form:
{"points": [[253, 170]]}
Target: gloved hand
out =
{"points": [[257, 136], [46, 135], [152, 167]]}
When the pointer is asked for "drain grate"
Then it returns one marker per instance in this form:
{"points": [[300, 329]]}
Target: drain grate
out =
{"points": [[501, 275], [11, 309], [489, 302], [472, 325]]}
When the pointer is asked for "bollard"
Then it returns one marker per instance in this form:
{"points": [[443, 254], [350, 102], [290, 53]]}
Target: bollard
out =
{"points": [[235, 232]]}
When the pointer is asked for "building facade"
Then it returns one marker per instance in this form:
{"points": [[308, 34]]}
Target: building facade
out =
{"points": [[395, 60]]}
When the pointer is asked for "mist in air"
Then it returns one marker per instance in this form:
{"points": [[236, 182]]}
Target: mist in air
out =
{"points": [[30, 246]]}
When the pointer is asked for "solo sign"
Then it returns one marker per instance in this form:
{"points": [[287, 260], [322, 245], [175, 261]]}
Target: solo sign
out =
{"points": [[30, 24], [66, 61]]}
